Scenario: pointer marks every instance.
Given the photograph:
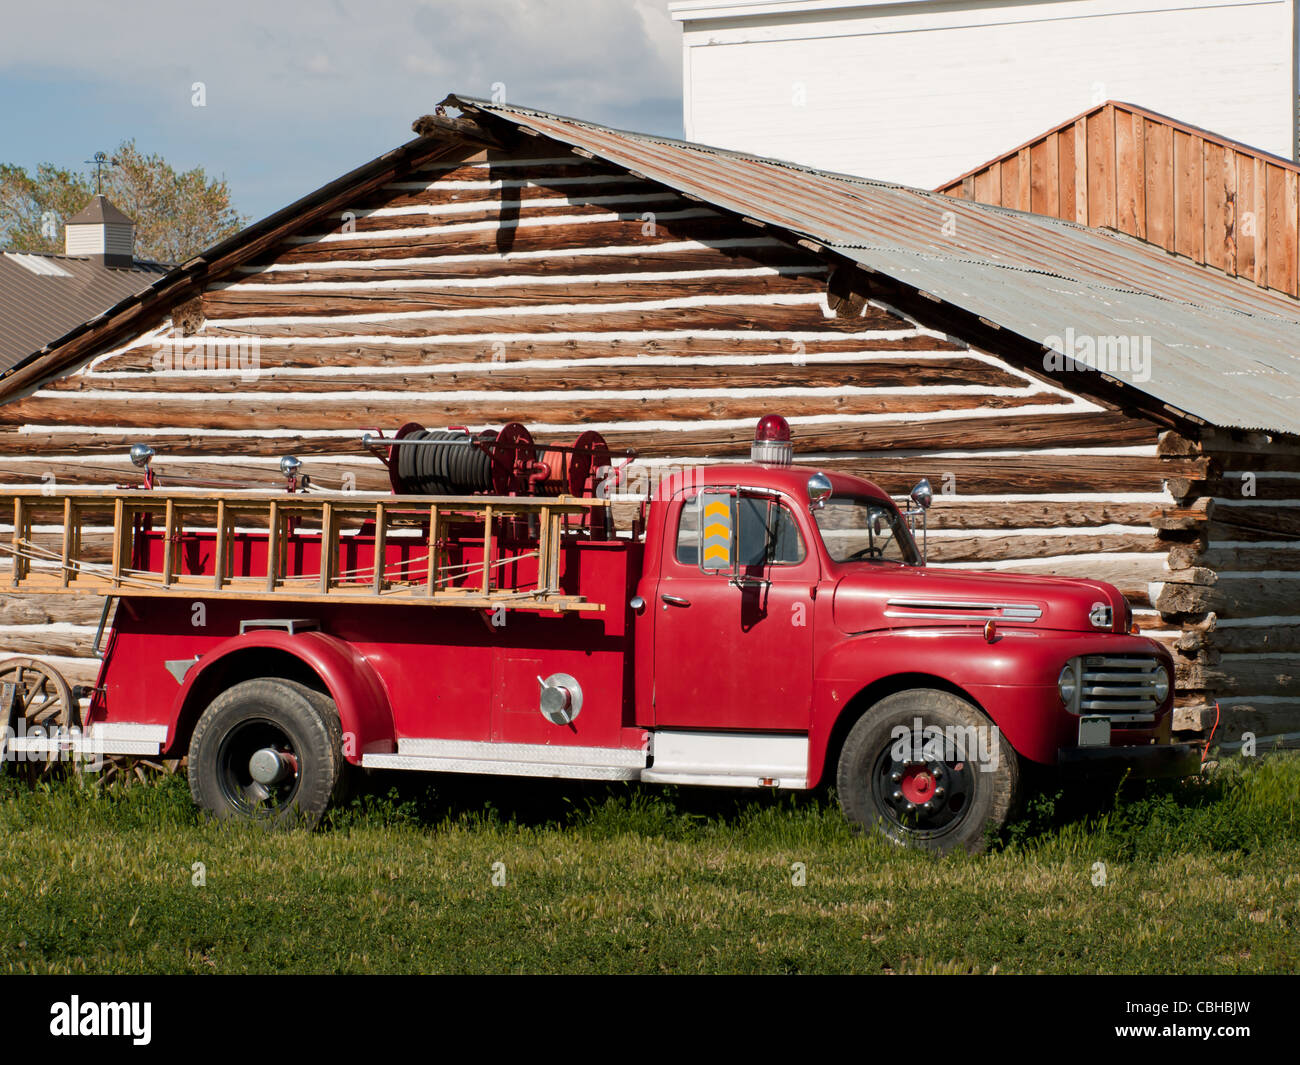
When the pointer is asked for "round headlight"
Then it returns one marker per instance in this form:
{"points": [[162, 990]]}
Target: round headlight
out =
{"points": [[1162, 683], [1067, 685]]}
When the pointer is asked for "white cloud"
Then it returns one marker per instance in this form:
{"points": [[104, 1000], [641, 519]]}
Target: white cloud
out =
{"points": [[299, 91], [386, 58]]}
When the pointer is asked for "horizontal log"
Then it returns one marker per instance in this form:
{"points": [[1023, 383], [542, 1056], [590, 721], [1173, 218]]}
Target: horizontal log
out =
{"points": [[723, 254], [369, 476], [951, 477], [884, 373], [1248, 675], [533, 348], [359, 412], [1023, 431], [954, 513], [1285, 460], [439, 193], [484, 170], [1031, 547], [40, 640], [238, 303], [1260, 719], [1129, 573], [1225, 442], [798, 318], [1109, 473], [1029, 473], [1236, 522], [1254, 485], [496, 240], [1183, 556], [1232, 597], [47, 609], [1243, 639], [512, 209]]}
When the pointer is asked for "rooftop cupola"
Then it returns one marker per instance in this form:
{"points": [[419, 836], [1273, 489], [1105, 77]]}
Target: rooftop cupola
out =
{"points": [[102, 232]]}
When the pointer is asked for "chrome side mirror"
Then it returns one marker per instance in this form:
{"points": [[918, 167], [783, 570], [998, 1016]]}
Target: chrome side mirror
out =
{"points": [[921, 494], [819, 490]]}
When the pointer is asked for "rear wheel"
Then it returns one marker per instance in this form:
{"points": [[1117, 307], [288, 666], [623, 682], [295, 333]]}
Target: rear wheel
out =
{"points": [[927, 768], [268, 750]]}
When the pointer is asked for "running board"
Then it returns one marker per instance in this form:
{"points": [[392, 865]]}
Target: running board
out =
{"points": [[119, 737], [712, 759], [512, 759], [729, 759]]}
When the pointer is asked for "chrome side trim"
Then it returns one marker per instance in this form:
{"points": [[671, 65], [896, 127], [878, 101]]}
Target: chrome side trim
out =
{"points": [[963, 610]]}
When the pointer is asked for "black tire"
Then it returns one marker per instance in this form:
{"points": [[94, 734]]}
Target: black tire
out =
{"points": [[930, 795], [290, 718]]}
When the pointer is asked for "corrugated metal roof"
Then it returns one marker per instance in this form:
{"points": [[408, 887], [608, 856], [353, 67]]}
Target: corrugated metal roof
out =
{"points": [[1222, 349], [39, 307]]}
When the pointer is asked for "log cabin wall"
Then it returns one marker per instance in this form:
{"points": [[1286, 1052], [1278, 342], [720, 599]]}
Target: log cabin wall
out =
{"points": [[567, 294], [1233, 584], [1220, 203]]}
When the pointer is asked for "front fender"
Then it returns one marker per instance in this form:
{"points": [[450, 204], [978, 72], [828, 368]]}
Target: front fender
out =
{"points": [[1013, 679], [357, 691]]}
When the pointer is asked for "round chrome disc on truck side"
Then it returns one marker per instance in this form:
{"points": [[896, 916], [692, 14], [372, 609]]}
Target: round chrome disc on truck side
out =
{"points": [[35, 702], [928, 769], [268, 750]]}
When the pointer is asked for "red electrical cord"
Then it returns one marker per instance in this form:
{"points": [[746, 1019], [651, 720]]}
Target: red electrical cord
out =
{"points": [[1206, 753]]}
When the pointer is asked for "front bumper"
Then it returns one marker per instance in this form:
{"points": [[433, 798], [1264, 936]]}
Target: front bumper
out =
{"points": [[1152, 760]]}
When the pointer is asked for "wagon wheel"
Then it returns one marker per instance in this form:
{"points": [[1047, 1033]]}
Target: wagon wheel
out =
{"points": [[128, 767], [34, 695]]}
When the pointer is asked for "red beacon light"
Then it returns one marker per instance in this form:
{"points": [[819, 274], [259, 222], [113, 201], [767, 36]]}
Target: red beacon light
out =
{"points": [[772, 445]]}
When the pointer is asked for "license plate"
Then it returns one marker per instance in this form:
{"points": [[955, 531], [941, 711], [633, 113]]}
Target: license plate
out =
{"points": [[1094, 732]]}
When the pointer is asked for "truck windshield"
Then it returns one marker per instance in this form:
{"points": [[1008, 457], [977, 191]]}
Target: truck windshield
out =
{"points": [[862, 529]]}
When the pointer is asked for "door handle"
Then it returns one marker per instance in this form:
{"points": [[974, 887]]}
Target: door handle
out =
{"points": [[675, 600]]}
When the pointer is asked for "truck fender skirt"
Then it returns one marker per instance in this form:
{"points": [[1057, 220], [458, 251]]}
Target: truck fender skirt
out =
{"points": [[362, 702]]}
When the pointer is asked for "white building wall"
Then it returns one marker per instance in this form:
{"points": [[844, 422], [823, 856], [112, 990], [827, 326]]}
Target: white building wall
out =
{"points": [[920, 91]]}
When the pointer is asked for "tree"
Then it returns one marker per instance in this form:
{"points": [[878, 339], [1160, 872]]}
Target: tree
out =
{"points": [[176, 215]]}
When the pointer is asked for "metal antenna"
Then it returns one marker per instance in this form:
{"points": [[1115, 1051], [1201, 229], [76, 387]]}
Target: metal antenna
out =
{"points": [[100, 163]]}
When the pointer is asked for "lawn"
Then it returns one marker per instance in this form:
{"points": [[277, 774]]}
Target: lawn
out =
{"points": [[482, 875]]}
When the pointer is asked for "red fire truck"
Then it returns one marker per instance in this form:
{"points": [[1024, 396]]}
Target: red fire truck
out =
{"points": [[763, 625]]}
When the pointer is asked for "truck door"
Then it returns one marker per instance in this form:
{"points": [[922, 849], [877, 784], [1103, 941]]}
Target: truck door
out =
{"points": [[734, 626]]}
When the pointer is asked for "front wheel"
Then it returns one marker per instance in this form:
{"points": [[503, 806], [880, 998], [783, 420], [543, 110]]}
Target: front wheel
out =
{"points": [[267, 750], [927, 768]]}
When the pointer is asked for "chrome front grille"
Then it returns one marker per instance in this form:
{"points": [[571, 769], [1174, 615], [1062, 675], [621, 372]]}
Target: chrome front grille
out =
{"points": [[1120, 687]]}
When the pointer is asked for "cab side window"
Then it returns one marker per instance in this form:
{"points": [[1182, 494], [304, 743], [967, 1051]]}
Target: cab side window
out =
{"points": [[766, 532]]}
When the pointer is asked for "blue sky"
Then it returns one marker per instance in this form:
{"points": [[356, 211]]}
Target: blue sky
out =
{"points": [[298, 92]]}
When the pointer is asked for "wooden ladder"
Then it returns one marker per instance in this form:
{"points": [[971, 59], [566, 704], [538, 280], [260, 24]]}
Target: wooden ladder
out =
{"points": [[236, 522]]}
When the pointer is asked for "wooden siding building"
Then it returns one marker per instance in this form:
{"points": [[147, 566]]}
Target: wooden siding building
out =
{"points": [[916, 91], [513, 265], [1186, 190]]}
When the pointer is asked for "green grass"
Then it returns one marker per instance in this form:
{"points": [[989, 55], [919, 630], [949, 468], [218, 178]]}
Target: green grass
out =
{"points": [[1200, 877]]}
